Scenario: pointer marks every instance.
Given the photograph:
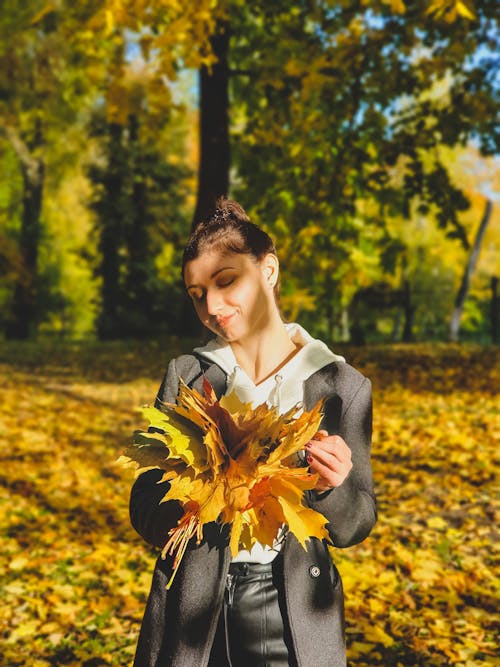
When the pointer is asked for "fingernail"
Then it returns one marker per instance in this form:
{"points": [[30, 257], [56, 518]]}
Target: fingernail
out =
{"points": [[308, 445], [309, 458]]}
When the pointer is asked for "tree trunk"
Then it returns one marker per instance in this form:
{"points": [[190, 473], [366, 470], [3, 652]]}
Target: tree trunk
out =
{"points": [[409, 311], [22, 320], [213, 171], [463, 290], [396, 326], [344, 323], [111, 224], [137, 293], [495, 308]]}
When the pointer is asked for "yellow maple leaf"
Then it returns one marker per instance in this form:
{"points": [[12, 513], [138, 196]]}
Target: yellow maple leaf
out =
{"points": [[268, 518], [226, 462], [182, 439]]}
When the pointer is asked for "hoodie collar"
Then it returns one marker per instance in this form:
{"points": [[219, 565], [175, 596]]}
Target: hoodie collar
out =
{"points": [[285, 388]]}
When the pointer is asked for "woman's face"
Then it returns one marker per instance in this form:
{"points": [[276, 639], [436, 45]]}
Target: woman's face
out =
{"points": [[232, 293]]}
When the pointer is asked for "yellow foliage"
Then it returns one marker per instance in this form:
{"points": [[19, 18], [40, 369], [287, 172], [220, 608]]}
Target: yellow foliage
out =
{"points": [[74, 575], [397, 6], [450, 10]]}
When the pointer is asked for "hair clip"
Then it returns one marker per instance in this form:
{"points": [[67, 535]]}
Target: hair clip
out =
{"points": [[219, 215]]}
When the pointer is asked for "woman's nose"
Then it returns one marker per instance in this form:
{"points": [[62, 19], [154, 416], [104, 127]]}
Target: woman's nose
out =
{"points": [[214, 302]]}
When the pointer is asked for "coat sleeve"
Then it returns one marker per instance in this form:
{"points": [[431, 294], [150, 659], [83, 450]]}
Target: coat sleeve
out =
{"points": [[151, 518], [350, 507]]}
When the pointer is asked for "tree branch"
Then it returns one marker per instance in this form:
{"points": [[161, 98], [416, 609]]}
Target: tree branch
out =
{"points": [[469, 270], [30, 164]]}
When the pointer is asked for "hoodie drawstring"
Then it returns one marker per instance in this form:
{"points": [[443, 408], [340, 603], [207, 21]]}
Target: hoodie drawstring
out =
{"points": [[274, 400]]}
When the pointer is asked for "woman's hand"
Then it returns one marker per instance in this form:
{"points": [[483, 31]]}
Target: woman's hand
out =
{"points": [[330, 457]]}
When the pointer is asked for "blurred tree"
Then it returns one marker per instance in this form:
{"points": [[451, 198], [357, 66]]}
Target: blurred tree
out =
{"points": [[58, 62], [328, 97], [463, 290], [138, 201], [11, 265], [495, 312], [67, 287], [431, 261], [43, 53], [176, 36], [182, 36], [327, 100]]}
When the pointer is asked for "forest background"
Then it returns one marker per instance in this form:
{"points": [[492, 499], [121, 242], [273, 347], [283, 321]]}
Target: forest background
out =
{"points": [[363, 135]]}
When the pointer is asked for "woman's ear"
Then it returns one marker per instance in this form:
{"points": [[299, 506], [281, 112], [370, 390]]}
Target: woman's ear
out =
{"points": [[270, 269]]}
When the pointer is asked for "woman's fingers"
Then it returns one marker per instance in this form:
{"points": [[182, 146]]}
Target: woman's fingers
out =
{"points": [[330, 457]]}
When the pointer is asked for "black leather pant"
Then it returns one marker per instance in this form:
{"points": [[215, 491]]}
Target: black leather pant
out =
{"points": [[252, 629]]}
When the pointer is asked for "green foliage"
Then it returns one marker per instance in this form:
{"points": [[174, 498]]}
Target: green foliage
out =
{"points": [[329, 98], [45, 73], [339, 115]]}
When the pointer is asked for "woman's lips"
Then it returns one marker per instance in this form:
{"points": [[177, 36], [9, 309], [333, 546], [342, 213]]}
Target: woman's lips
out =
{"points": [[224, 321]]}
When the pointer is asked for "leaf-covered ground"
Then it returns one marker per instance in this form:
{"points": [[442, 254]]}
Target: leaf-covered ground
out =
{"points": [[74, 575]]}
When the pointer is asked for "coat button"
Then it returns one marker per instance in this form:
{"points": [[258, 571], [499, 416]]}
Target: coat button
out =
{"points": [[314, 571]]}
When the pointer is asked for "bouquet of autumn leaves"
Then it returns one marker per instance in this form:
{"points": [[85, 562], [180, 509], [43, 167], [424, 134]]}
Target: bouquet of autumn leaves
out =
{"points": [[229, 463]]}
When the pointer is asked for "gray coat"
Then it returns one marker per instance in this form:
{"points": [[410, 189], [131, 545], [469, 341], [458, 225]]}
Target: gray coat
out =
{"points": [[179, 625]]}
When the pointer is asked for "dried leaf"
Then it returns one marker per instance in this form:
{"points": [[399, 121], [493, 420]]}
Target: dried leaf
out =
{"points": [[228, 463]]}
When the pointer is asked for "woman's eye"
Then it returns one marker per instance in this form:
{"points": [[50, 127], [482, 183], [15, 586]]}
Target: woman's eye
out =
{"points": [[196, 296], [225, 282]]}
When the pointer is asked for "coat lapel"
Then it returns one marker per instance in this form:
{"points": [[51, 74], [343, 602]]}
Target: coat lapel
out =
{"points": [[214, 374], [320, 385]]}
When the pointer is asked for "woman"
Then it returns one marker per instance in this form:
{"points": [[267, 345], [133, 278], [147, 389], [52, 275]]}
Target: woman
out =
{"points": [[272, 606]]}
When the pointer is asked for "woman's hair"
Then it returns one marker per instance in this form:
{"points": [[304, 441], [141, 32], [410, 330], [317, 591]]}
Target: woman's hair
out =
{"points": [[228, 228]]}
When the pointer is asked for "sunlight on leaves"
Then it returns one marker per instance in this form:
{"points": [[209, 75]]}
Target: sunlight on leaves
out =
{"points": [[235, 461]]}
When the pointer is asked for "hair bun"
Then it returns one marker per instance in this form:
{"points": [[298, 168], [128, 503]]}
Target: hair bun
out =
{"points": [[228, 228]]}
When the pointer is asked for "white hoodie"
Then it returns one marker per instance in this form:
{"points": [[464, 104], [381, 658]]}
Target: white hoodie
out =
{"points": [[281, 391]]}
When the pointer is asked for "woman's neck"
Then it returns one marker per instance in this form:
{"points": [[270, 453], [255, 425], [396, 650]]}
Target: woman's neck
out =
{"points": [[265, 352]]}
